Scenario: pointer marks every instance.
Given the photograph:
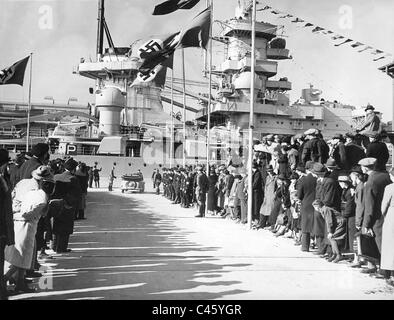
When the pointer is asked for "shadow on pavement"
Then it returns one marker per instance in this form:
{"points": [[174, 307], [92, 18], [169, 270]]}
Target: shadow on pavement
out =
{"points": [[124, 251]]}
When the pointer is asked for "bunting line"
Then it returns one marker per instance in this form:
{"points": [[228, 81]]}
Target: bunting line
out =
{"points": [[334, 36]]}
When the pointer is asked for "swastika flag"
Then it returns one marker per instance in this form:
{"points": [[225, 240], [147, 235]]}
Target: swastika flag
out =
{"points": [[14, 74], [173, 5]]}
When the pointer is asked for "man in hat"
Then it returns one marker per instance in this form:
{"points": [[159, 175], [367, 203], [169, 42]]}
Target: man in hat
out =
{"points": [[157, 180], [327, 191], [40, 156], [358, 179], [67, 187], [332, 168], [228, 184], [354, 152], [309, 150], [378, 149], [112, 177], [348, 210], [338, 152], [201, 191], [306, 192], [370, 125], [240, 199], [373, 196], [15, 166]]}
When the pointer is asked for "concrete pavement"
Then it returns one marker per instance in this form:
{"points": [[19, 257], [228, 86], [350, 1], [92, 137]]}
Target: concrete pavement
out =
{"points": [[139, 246]]}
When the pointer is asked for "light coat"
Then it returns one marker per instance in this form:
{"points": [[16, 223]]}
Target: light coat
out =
{"points": [[387, 254], [28, 206]]}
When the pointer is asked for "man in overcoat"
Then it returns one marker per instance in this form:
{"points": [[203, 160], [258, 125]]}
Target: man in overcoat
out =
{"points": [[6, 222], [306, 192], [330, 195], [378, 149], [40, 156], [354, 152], [201, 191], [373, 196], [257, 194], [370, 125], [68, 188]]}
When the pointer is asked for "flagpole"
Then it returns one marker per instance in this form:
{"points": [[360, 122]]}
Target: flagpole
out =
{"points": [[184, 107], [251, 117], [172, 117], [29, 104], [209, 90]]}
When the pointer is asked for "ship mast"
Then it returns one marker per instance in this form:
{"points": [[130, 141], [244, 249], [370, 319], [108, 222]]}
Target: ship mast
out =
{"points": [[100, 30]]}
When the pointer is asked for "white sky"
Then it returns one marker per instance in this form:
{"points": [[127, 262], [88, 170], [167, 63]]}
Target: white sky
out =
{"points": [[341, 72]]}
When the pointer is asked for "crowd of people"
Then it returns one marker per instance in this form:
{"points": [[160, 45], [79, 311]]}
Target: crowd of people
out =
{"points": [[335, 198], [39, 202]]}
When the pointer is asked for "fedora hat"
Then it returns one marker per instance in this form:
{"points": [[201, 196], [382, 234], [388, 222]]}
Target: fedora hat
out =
{"points": [[319, 169], [331, 164], [369, 107]]}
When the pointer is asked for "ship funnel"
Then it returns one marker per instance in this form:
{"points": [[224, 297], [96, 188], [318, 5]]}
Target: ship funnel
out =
{"points": [[110, 101]]}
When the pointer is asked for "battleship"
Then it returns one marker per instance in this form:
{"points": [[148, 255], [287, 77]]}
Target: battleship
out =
{"points": [[127, 123]]}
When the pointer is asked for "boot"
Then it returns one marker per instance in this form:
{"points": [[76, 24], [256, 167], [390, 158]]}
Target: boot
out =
{"points": [[332, 258]]}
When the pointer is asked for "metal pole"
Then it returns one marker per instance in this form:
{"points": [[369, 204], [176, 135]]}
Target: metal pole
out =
{"points": [[184, 108], [29, 104], [392, 121], [209, 90], [209, 100], [251, 116], [172, 117]]}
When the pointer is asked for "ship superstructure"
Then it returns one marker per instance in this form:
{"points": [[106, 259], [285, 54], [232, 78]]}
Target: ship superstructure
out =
{"points": [[273, 112]]}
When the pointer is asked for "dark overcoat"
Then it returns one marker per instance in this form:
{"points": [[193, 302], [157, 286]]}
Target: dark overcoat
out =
{"points": [[62, 217], [67, 187], [6, 216], [306, 192], [212, 196], [373, 196], [257, 198], [339, 155], [379, 151], [354, 153]]}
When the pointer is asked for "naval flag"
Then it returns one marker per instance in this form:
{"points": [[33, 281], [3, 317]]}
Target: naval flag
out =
{"points": [[173, 5], [158, 51], [14, 74], [196, 34]]}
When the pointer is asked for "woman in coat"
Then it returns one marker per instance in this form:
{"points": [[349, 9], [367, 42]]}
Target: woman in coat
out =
{"points": [[212, 196], [269, 198], [29, 205], [387, 254]]}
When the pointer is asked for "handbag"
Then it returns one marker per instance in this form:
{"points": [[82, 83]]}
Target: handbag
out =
{"points": [[368, 247]]}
